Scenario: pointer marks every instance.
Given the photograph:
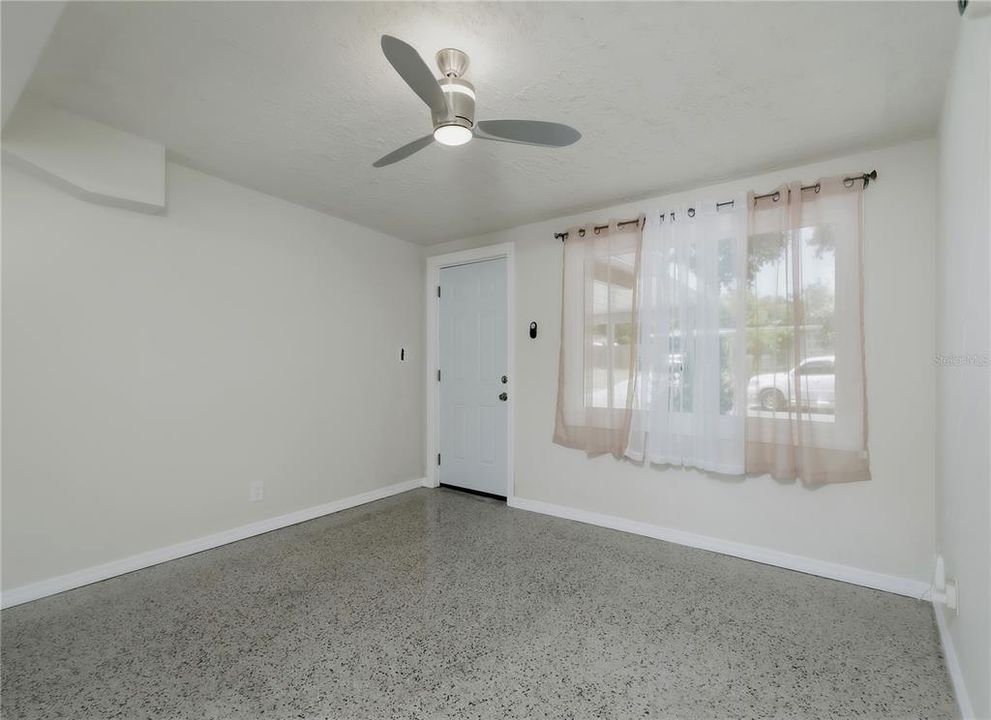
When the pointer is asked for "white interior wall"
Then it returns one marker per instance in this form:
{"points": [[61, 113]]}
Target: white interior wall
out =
{"points": [[884, 526], [86, 158], [963, 391], [25, 28], [154, 367]]}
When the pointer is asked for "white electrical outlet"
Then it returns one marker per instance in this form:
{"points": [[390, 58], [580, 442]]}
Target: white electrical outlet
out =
{"points": [[944, 590], [952, 594], [256, 491]]}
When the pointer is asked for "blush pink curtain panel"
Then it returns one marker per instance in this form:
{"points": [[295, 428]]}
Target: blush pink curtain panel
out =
{"points": [[599, 332], [807, 395]]}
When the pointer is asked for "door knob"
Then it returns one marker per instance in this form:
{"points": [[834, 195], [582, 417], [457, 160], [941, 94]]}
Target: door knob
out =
{"points": [[503, 396]]}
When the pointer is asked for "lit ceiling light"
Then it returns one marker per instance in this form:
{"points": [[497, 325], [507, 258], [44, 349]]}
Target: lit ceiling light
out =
{"points": [[452, 135]]}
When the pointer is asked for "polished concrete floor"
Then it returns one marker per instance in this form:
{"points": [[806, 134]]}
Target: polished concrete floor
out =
{"points": [[437, 604]]}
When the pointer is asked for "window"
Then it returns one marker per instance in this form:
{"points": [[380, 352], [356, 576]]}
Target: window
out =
{"points": [[691, 353], [612, 329], [729, 337], [777, 338], [806, 392], [599, 335]]}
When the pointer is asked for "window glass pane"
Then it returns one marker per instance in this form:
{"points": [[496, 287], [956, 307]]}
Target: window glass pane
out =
{"points": [[728, 314], [790, 323], [681, 317], [612, 329]]}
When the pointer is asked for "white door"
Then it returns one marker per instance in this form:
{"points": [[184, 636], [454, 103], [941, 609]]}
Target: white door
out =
{"points": [[474, 407]]}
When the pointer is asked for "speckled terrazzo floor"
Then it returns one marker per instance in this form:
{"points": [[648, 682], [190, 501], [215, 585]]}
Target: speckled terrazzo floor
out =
{"points": [[437, 604]]}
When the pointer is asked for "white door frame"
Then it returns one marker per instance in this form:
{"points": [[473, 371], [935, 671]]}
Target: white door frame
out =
{"points": [[434, 266]]}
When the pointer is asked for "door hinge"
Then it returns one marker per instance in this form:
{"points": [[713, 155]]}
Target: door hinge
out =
{"points": [[438, 458], [438, 291], [438, 376]]}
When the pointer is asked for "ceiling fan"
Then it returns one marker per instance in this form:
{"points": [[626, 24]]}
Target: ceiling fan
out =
{"points": [[451, 100]]}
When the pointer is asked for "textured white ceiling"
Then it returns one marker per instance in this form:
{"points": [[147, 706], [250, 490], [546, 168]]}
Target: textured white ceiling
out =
{"points": [[297, 100]]}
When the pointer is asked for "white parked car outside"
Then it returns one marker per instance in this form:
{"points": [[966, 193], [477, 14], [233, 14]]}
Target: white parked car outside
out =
{"points": [[776, 391]]}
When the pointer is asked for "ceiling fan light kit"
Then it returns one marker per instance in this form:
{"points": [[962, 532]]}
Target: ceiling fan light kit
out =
{"points": [[452, 134], [454, 126], [451, 100]]}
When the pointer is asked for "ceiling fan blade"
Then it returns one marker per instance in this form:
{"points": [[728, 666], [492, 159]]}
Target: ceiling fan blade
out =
{"points": [[411, 68], [404, 152], [527, 132]]}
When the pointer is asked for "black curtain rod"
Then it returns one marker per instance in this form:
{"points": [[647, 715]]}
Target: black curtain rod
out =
{"points": [[848, 181]]}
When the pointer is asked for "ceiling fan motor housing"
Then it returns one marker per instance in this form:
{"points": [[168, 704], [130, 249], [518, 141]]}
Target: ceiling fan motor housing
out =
{"points": [[460, 93]]}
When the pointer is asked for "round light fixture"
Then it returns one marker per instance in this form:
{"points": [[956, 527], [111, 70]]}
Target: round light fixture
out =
{"points": [[452, 135]]}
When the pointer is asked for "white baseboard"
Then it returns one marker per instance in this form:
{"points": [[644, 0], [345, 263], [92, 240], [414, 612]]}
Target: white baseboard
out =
{"points": [[52, 586], [953, 665], [844, 573]]}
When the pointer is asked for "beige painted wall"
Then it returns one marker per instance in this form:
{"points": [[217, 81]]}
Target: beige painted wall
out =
{"points": [[155, 366], [885, 525], [962, 391]]}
